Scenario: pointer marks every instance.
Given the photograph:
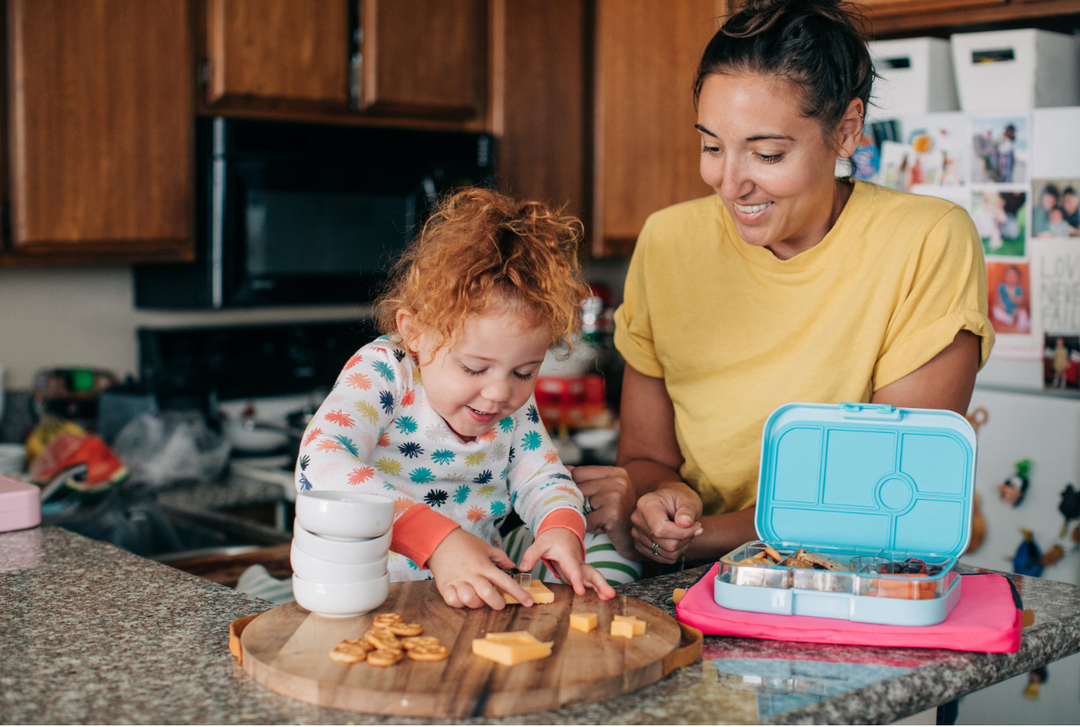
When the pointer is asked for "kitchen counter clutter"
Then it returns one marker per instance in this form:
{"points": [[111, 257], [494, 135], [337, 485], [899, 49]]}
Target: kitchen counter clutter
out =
{"points": [[93, 634]]}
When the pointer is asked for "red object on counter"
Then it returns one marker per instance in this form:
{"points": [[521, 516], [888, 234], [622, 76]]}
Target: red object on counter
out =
{"points": [[595, 389], [559, 391], [104, 469]]}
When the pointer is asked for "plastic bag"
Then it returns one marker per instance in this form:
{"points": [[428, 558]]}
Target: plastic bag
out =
{"points": [[165, 448]]}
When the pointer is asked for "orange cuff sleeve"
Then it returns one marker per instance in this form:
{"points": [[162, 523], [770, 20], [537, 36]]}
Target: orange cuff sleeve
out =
{"points": [[565, 518], [418, 532]]}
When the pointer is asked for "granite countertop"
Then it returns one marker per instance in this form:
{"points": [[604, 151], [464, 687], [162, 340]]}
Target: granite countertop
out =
{"points": [[90, 633]]}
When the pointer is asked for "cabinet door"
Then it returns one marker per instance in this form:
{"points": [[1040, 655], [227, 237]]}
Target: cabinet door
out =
{"points": [[102, 115], [424, 57], [540, 99], [647, 150], [295, 51]]}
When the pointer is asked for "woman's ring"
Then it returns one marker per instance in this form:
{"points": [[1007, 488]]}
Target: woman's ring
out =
{"points": [[588, 505], [655, 550]]}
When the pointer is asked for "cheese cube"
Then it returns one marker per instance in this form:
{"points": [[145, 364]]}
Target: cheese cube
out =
{"points": [[585, 622], [539, 592], [624, 629], [511, 647], [639, 625]]}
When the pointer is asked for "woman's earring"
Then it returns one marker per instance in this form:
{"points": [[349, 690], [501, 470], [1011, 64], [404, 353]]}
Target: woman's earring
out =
{"points": [[844, 167]]}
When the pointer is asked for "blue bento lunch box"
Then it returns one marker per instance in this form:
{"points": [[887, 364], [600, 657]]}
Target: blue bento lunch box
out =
{"points": [[880, 493]]}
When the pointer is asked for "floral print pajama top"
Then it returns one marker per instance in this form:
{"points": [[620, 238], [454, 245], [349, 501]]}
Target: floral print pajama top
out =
{"points": [[376, 433]]}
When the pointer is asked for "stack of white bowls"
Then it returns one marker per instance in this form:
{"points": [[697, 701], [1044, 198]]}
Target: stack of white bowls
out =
{"points": [[340, 548]]}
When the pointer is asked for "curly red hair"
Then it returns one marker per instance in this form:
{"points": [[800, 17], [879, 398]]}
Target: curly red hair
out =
{"points": [[480, 249]]}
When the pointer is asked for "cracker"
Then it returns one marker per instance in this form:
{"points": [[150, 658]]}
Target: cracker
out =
{"points": [[383, 639], [405, 629], [350, 653], [383, 620], [384, 657], [429, 653], [410, 642]]}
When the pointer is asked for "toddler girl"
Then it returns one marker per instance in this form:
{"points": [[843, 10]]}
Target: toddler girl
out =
{"points": [[439, 413]]}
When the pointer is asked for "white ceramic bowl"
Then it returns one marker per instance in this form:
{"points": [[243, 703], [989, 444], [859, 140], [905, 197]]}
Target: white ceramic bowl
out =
{"points": [[344, 514], [341, 550], [341, 600], [312, 568]]}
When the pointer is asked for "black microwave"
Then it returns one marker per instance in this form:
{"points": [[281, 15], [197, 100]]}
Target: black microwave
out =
{"points": [[299, 213]]}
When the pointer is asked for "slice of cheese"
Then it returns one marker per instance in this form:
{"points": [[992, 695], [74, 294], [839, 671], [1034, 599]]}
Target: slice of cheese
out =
{"points": [[583, 621], [624, 629], [639, 625], [511, 647], [539, 592]]}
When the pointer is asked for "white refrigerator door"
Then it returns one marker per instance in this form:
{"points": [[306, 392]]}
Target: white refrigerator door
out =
{"points": [[1046, 430]]}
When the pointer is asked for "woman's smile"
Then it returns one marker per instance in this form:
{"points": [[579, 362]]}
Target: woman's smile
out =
{"points": [[751, 212]]}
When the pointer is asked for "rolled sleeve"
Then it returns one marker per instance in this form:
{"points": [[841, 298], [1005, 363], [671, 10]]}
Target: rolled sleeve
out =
{"points": [[947, 294]]}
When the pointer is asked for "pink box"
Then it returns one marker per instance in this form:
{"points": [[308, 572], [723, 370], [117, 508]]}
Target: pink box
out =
{"points": [[20, 505]]}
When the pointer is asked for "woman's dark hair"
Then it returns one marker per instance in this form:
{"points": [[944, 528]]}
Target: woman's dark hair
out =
{"points": [[819, 45]]}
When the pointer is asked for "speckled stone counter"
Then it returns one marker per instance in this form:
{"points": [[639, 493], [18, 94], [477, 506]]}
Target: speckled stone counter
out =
{"points": [[93, 634]]}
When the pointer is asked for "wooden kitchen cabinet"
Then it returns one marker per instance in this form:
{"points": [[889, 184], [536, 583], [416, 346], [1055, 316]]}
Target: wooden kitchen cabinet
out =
{"points": [[882, 8], [101, 102], [283, 51], [901, 18], [415, 59], [541, 99], [646, 149], [424, 58]]}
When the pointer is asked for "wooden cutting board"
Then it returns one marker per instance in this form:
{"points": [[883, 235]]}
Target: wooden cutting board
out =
{"points": [[286, 650]]}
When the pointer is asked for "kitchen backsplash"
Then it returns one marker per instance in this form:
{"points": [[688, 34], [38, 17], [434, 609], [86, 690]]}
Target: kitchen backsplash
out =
{"points": [[85, 317]]}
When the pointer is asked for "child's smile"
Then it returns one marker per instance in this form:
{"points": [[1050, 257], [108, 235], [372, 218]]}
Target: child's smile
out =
{"points": [[487, 373]]}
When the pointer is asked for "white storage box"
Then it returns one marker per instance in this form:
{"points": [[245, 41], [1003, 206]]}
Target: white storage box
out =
{"points": [[1013, 70], [916, 77]]}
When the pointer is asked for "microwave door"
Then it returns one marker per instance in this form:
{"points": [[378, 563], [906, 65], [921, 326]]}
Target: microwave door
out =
{"points": [[310, 228]]}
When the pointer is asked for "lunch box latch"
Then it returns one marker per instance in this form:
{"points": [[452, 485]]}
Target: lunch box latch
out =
{"points": [[880, 412]]}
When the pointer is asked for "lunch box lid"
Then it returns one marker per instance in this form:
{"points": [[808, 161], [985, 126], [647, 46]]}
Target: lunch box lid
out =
{"points": [[868, 477]]}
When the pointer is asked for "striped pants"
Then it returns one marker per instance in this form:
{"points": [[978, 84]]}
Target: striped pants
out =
{"points": [[599, 553]]}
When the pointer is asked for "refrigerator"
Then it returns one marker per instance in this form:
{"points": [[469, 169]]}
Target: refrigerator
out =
{"points": [[1014, 171], [1043, 427]]}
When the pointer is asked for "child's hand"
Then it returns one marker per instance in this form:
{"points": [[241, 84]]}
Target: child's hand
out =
{"points": [[562, 548], [467, 571]]}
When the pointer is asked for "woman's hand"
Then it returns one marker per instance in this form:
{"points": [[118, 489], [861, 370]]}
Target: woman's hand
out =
{"points": [[469, 572], [562, 547], [611, 497], [666, 521]]}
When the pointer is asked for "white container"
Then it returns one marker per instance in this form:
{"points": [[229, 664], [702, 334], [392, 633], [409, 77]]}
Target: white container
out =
{"points": [[338, 550], [916, 77], [12, 459], [1011, 70], [312, 568], [344, 514], [341, 600]]}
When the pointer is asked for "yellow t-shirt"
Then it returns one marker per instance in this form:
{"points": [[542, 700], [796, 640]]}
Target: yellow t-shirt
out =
{"points": [[736, 332]]}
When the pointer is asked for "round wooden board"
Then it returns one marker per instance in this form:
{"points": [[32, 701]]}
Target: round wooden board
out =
{"points": [[286, 650]]}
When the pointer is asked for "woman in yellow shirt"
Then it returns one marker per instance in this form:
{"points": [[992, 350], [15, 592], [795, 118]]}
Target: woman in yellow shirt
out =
{"points": [[789, 285]]}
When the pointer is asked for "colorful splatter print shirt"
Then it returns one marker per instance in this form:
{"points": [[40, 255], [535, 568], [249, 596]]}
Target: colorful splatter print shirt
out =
{"points": [[376, 433]]}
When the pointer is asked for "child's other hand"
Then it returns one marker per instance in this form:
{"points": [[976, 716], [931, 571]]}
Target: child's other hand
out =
{"points": [[561, 547], [468, 572]]}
